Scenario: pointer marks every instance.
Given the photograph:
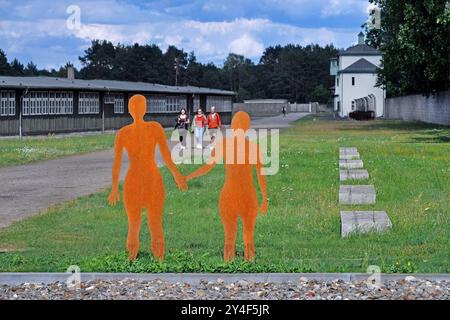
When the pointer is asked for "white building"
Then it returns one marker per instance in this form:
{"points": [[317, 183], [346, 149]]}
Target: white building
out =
{"points": [[355, 71]]}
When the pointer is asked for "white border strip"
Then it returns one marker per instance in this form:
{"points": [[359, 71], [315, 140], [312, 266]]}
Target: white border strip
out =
{"points": [[195, 278]]}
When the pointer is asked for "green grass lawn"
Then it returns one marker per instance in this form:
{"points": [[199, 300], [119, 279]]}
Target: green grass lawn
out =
{"points": [[409, 164], [15, 151]]}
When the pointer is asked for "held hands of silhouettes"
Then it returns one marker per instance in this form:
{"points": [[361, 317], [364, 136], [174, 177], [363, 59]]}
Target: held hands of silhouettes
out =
{"points": [[114, 197], [181, 182], [200, 172], [189, 177]]}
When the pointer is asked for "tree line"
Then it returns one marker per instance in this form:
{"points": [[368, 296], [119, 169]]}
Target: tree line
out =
{"points": [[414, 38], [293, 72], [415, 41]]}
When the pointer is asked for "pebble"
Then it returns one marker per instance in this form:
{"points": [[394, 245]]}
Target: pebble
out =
{"points": [[243, 283], [303, 279], [406, 289]]}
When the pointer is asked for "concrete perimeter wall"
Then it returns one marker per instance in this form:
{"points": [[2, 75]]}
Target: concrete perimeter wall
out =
{"points": [[260, 109], [274, 109], [312, 107], [435, 109]]}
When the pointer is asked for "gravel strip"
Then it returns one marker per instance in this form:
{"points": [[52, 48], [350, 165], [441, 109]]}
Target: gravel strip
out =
{"points": [[409, 288]]}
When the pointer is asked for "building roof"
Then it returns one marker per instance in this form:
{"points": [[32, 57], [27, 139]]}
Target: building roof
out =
{"points": [[360, 66], [360, 50], [259, 101], [102, 85]]}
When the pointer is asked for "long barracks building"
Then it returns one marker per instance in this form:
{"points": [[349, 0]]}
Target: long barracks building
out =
{"points": [[42, 105]]}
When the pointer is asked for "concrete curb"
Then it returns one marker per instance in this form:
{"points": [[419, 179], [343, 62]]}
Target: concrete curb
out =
{"points": [[195, 278]]}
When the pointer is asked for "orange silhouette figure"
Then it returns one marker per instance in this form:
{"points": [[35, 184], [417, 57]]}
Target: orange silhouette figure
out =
{"points": [[143, 187], [238, 196]]}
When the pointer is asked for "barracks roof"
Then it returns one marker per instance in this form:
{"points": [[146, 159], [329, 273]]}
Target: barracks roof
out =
{"points": [[102, 85]]}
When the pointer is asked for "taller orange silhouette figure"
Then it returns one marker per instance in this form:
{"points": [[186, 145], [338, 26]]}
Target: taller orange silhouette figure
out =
{"points": [[143, 187], [238, 196]]}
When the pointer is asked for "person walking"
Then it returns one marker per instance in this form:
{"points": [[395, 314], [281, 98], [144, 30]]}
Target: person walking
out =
{"points": [[183, 126], [200, 122], [214, 123], [284, 111]]}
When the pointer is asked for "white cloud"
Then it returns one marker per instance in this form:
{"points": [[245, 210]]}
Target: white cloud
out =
{"points": [[211, 41], [343, 7], [173, 40], [42, 22], [113, 33], [247, 46]]}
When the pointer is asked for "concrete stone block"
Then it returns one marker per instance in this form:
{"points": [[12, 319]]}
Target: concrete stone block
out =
{"points": [[345, 175], [357, 194], [351, 164], [348, 150], [349, 156], [353, 222]]}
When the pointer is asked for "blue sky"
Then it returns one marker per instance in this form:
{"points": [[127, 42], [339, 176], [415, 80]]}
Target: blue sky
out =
{"points": [[37, 30]]}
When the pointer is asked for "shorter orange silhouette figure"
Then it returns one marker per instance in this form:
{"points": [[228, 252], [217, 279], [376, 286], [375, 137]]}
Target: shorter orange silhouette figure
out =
{"points": [[238, 196], [143, 187]]}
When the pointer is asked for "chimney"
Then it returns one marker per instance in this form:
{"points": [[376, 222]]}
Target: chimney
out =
{"points": [[70, 73], [361, 38]]}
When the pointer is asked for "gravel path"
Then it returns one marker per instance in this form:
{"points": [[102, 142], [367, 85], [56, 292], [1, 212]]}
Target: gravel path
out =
{"points": [[409, 288]]}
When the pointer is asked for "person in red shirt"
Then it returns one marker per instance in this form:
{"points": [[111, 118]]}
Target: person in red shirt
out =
{"points": [[214, 123], [200, 123]]}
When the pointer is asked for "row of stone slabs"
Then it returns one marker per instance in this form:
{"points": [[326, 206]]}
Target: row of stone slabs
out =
{"points": [[351, 168]]}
